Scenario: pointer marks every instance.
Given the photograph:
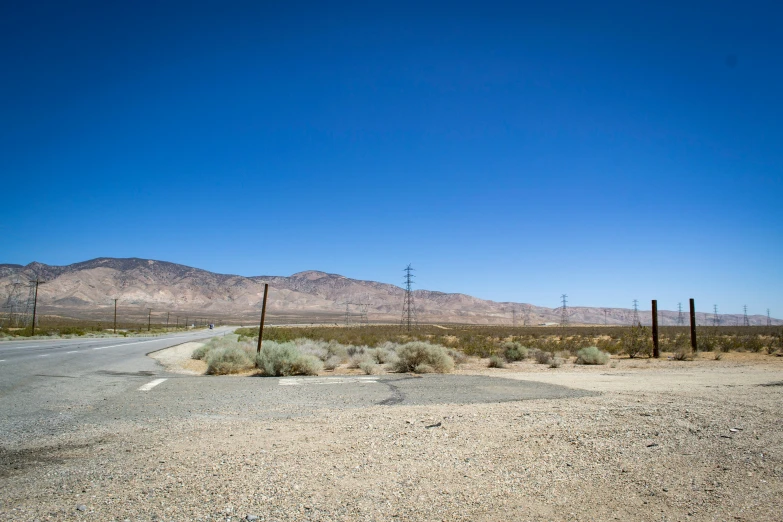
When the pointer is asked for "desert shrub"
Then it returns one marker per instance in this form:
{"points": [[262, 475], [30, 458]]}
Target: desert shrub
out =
{"points": [[200, 353], [226, 360], [542, 356], [707, 342], [312, 347], [513, 351], [496, 362], [358, 359], [478, 345], [415, 356], [355, 350], [611, 346], [215, 343], [369, 367], [556, 362], [752, 343], [637, 341], [683, 354], [458, 356], [307, 365], [718, 355], [332, 362], [281, 359], [591, 355], [424, 368]]}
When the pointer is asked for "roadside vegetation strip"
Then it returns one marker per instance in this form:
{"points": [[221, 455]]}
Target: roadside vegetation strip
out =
{"points": [[226, 355], [150, 385], [484, 341]]}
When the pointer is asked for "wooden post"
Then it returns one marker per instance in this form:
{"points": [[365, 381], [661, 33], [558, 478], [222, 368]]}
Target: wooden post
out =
{"points": [[693, 326], [656, 351], [263, 315]]}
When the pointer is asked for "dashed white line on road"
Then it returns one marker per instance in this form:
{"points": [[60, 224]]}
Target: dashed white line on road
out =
{"points": [[125, 344], [299, 381], [151, 384], [2, 360], [75, 351], [45, 355]]}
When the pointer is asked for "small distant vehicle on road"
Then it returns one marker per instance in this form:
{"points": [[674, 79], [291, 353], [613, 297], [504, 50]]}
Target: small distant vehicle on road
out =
{"points": [[211, 326]]}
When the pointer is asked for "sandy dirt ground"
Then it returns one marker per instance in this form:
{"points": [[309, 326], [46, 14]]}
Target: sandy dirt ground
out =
{"points": [[662, 440]]}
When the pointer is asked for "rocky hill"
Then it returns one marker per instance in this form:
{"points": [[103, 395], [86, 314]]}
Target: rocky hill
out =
{"points": [[87, 289]]}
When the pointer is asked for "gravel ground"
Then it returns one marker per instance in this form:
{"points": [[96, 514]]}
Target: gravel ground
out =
{"points": [[661, 440]]}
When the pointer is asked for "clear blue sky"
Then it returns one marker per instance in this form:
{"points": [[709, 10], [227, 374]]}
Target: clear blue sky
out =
{"points": [[509, 151]]}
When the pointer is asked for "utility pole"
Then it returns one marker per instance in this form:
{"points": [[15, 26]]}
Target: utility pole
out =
{"points": [[115, 316], [35, 303], [149, 319], [745, 321], [769, 320], [514, 316], [606, 311], [693, 325], [177, 327], [167, 320], [263, 315]]}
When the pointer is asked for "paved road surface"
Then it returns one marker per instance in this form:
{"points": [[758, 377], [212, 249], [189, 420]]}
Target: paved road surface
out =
{"points": [[59, 386]]}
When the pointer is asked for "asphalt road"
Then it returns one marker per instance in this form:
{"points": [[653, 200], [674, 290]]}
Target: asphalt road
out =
{"points": [[48, 388], [47, 385]]}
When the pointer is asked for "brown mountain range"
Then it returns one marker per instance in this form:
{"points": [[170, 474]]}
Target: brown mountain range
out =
{"points": [[87, 289]]}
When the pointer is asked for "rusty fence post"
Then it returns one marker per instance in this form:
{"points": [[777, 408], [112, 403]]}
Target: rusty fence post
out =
{"points": [[263, 314], [656, 350]]}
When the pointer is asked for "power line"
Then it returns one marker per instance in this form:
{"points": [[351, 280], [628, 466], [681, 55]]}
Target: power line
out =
{"points": [[408, 306]]}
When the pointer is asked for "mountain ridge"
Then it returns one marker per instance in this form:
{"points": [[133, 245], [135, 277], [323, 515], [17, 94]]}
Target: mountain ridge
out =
{"points": [[89, 285]]}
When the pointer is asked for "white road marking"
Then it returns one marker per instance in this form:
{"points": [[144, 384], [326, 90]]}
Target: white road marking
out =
{"points": [[151, 384], [126, 344], [299, 381], [2, 360], [76, 351], [44, 355]]}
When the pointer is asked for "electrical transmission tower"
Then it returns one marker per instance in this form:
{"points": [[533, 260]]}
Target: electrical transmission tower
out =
{"points": [[769, 320], [745, 321], [514, 316], [15, 304], [715, 320], [363, 308], [564, 310], [635, 319], [526, 315], [606, 311], [347, 312], [680, 317], [408, 306]]}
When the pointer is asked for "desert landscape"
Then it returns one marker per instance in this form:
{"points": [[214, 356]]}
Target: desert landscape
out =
{"points": [[647, 440]]}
